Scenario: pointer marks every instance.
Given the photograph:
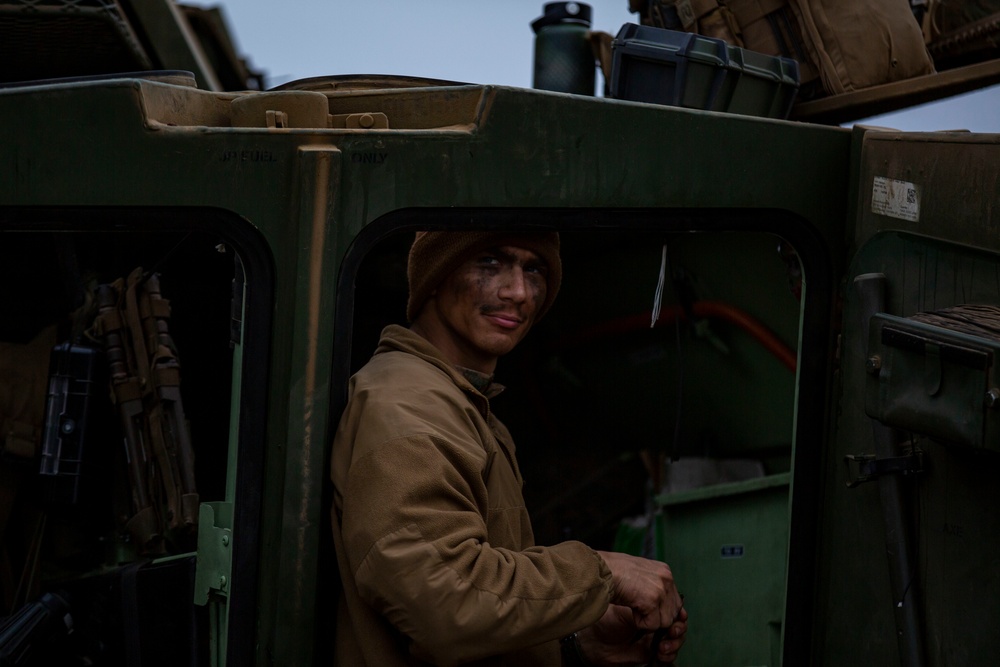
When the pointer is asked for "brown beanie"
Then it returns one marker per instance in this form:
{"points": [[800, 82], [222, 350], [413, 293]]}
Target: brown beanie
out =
{"points": [[435, 255]]}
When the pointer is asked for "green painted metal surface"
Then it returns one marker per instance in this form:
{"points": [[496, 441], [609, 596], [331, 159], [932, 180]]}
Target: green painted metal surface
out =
{"points": [[321, 218], [730, 541], [949, 507]]}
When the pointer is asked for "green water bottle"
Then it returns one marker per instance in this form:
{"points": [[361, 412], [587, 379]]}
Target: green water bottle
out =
{"points": [[564, 61]]}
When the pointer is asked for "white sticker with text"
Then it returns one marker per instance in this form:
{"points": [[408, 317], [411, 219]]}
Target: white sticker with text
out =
{"points": [[896, 199]]}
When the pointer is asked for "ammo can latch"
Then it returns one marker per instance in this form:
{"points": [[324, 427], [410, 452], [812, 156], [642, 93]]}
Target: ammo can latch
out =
{"points": [[929, 380]]}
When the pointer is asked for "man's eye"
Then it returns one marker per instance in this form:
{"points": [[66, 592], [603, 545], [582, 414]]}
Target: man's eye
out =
{"points": [[536, 269], [489, 260]]}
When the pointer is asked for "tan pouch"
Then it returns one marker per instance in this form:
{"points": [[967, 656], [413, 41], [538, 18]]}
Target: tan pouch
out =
{"points": [[771, 27], [710, 18], [857, 44]]}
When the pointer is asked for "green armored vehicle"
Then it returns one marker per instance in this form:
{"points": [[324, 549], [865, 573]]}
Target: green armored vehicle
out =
{"points": [[805, 423]]}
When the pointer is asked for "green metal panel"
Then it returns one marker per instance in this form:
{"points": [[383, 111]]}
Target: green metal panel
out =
{"points": [[309, 192], [729, 542], [953, 178], [949, 507], [926, 222], [727, 546]]}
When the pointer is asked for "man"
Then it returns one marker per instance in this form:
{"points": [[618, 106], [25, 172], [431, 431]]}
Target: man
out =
{"points": [[433, 541]]}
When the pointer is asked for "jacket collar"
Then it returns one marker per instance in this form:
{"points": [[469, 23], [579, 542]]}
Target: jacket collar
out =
{"points": [[398, 338]]}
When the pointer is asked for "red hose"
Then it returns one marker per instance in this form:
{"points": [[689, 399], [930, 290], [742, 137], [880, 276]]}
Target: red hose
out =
{"points": [[700, 309]]}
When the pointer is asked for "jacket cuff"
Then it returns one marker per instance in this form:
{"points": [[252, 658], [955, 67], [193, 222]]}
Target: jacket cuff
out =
{"points": [[604, 572]]}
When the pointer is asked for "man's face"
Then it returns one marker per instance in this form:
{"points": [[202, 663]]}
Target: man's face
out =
{"points": [[488, 304]]}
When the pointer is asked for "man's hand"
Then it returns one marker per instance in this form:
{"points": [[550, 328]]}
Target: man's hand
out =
{"points": [[614, 640], [644, 586]]}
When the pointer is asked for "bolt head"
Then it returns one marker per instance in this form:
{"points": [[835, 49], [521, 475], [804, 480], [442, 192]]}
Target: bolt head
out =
{"points": [[993, 399], [874, 364]]}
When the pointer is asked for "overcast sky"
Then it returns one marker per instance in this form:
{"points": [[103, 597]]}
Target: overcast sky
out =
{"points": [[471, 41]]}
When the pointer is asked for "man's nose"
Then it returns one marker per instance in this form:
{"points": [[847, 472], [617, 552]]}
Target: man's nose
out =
{"points": [[514, 287]]}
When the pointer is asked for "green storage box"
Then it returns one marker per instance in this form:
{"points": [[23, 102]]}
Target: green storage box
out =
{"points": [[727, 545], [763, 85], [685, 69], [667, 67]]}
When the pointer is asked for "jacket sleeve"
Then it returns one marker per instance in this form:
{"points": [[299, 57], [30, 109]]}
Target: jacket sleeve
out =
{"points": [[416, 537]]}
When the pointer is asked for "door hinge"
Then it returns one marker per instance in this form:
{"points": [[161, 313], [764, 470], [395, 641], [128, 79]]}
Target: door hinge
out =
{"points": [[215, 551]]}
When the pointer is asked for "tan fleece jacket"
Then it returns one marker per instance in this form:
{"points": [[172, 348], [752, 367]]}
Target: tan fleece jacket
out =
{"points": [[434, 543]]}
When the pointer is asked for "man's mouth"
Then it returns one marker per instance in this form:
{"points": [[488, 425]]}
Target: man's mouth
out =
{"points": [[501, 319]]}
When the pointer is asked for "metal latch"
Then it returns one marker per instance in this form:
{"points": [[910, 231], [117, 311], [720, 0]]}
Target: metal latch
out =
{"points": [[371, 120], [865, 467], [215, 551], [275, 119]]}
